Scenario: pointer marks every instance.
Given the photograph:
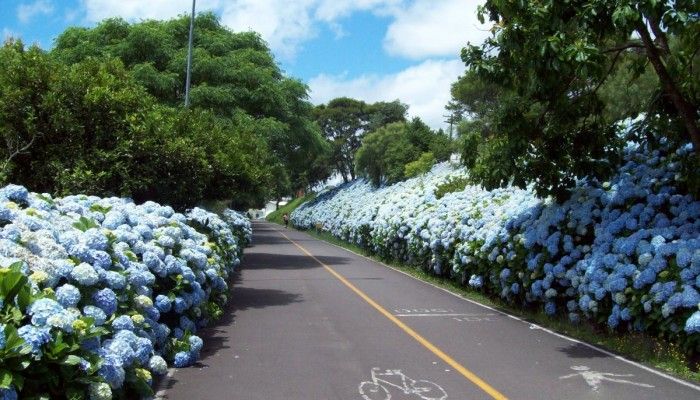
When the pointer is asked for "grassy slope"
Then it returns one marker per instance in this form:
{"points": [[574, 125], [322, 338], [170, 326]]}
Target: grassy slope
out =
{"points": [[276, 216], [642, 348]]}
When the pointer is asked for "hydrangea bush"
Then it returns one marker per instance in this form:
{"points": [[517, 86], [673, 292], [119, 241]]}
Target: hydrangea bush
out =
{"points": [[625, 253], [97, 295]]}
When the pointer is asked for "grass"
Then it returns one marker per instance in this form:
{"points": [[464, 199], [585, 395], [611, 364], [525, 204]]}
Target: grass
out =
{"points": [[654, 352], [276, 216]]}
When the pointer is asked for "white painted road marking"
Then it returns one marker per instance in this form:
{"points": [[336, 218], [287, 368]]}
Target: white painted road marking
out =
{"points": [[377, 388], [444, 315], [532, 326], [474, 319], [422, 310], [595, 378]]}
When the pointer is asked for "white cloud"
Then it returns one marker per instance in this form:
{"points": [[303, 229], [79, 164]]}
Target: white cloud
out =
{"points": [[419, 29], [425, 87], [27, 11], [332, 10], [430, 28], [134, 10], [286, 25], [283, 24]]}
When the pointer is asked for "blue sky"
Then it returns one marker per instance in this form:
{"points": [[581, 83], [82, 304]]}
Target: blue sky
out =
{"points": [[368, 49]]}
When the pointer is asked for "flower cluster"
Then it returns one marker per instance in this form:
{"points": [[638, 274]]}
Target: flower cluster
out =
{"points": [[123, 287], [624, 252]]}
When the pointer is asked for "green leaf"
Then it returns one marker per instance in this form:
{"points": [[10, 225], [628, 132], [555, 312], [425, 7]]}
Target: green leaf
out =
{"points": [[84, 224], [75, 394], [5, 379], [71, 360], [11, 282], [99, 208]]}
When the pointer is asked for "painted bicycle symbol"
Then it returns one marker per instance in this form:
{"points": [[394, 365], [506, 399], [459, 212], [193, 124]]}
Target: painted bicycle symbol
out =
{"points": [[377, 389]]}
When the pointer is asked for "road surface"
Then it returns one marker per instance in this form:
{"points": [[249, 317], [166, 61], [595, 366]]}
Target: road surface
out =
{"points": [[309, 320]]}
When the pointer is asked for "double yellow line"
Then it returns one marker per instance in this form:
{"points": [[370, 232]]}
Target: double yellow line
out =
{"points": [[420, 339]]}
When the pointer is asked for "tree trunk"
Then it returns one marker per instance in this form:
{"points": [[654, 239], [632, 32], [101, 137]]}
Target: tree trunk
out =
{"points": [[660, 35], [686, 111]]}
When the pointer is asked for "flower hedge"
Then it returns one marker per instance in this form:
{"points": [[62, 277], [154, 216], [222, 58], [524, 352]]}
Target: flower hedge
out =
{"points": [[99, 294], [625, 253]]}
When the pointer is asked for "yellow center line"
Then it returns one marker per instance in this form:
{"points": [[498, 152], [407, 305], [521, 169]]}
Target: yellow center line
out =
{"points": [[420, 339]]}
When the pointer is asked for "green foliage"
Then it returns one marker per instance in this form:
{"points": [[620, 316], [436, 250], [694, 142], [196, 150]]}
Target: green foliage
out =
{"points": [[400, 150], [420, 166], [276, 216], [56, 375], [85, 223], [100, 114], [345, 121], [384, 154], [454, 184], [234, 76], [549, 120]]}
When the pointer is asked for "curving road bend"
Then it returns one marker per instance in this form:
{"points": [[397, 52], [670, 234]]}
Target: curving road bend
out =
{"points": [[309, 320]]}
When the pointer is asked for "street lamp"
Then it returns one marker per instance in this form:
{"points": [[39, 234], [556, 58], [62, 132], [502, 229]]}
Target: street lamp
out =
{"points": [[189, 59]]}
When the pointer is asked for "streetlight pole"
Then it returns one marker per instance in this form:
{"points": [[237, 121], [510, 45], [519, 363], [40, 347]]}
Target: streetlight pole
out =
{"points": [[189, 59]]}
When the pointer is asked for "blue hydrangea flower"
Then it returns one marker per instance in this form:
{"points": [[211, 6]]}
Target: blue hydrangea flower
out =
{"points": [[112, 370], [96, 313], [85, 274], [121, 349], [35, 337], [163, 303], [157, 365], [123, 322], [8, 394], [42, 309], [115, 280], [95, 239], [550, 308], [68, 295], [106, 300], [692, 324], [2, 336], [196, 344], [182, 359], [475, 281]]}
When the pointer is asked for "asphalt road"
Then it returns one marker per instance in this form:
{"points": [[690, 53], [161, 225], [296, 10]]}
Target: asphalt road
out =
{"points": [[308, 320]]}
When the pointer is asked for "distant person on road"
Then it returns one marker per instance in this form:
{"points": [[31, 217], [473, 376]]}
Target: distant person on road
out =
{"points": [[285, 217]]}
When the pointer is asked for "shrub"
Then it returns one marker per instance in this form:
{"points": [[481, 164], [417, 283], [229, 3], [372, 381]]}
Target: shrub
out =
{"points": [[97, 293]]}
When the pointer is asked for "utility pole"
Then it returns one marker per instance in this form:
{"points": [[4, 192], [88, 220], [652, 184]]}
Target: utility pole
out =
{"points": [[450, 120], [189, 59]]}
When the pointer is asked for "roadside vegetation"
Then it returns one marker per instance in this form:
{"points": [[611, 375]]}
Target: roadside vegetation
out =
{"points": [[276, 216]]}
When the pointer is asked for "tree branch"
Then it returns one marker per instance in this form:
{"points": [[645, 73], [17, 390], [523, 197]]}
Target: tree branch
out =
{"points": [[629, 45], [685, 110], [16, 152]]}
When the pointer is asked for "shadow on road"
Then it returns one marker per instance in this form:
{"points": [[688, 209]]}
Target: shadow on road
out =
{"points": [[285, 261], [578, 350], [244, 298], [269, 239]]}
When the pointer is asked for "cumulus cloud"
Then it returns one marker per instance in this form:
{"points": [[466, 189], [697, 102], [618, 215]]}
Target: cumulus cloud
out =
{"points": [[27, 11], [430, 28], [425, 87], [134, 10], [332, 10], [283, 24], [286, 25]]}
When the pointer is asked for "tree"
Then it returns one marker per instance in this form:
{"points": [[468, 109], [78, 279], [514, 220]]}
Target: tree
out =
{"points": [[24, 80], [345, 121], [91, 128], [232, 74], [400, 150], [553, 58]]}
